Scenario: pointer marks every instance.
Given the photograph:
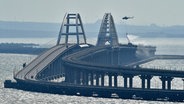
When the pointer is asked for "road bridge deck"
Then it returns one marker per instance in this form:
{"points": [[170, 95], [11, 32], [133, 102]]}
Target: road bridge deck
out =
{"points": [[38, 64], [74, 60]]}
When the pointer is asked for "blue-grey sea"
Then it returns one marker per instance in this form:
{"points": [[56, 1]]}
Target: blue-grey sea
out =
{"points": [[11, 62]]}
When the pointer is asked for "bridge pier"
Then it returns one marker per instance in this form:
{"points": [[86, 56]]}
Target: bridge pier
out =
{"points": [[130, 81], [85, 78], [165, 80], [102, 79], [72, 78], [126, 77], [115, 80], [77, 78], [125, 81], [91, 79], [97, 79], [145, 78], [67, 76], [110, 80]]}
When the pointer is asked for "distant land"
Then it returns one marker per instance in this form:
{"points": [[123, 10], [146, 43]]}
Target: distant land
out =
{"points": [[46, 30], [21, 48]]}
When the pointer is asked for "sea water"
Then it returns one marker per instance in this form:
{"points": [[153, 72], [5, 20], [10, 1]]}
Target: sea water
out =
{"points": [[12, 62]]}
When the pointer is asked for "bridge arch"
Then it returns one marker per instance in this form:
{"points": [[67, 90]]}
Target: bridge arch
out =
{"points": [[71, 26], [107, 34]]}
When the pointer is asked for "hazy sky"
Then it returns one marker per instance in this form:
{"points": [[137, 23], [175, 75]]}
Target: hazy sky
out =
{"points": [[161, 12]]}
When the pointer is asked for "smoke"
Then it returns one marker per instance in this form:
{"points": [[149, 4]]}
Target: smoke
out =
{"points": [[134, 39]]}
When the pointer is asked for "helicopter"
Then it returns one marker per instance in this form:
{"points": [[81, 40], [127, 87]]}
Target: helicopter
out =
{"points": [[126, 17]]}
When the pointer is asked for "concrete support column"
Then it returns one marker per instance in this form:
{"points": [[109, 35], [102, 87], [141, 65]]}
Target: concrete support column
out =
{"points": [[143, 83], [102, 79], [75, 76], [67, 76], [72, 79], [169, 79], [130, 81], [145, 78], [91, 79], [87, 78], [115, 80], [82, 78], [169, 84], [97, 79], [148, 83], [163, 84], [84, 75], [126, 77], [125, 81], [165, 79], [149, 77], [78, 77], [110, 80]]}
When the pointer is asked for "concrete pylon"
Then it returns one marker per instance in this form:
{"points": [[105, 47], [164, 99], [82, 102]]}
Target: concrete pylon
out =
{"points": [[71, 26], [107, 34]]}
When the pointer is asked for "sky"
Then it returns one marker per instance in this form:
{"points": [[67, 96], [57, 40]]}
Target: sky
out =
{"points": [[146, 12]]}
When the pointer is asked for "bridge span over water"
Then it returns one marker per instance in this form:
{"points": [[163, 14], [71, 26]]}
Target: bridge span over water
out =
{"points": [[105, 70]]}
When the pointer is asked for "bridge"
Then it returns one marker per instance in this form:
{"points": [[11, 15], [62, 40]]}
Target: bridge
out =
{"points": [[105, 70]]}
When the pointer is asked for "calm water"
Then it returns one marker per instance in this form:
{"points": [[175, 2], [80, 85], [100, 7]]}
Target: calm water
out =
{"points": [[9, 62]]}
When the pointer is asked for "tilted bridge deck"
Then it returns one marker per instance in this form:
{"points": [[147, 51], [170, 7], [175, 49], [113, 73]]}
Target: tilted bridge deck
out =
{"points": [[38, 64]]}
